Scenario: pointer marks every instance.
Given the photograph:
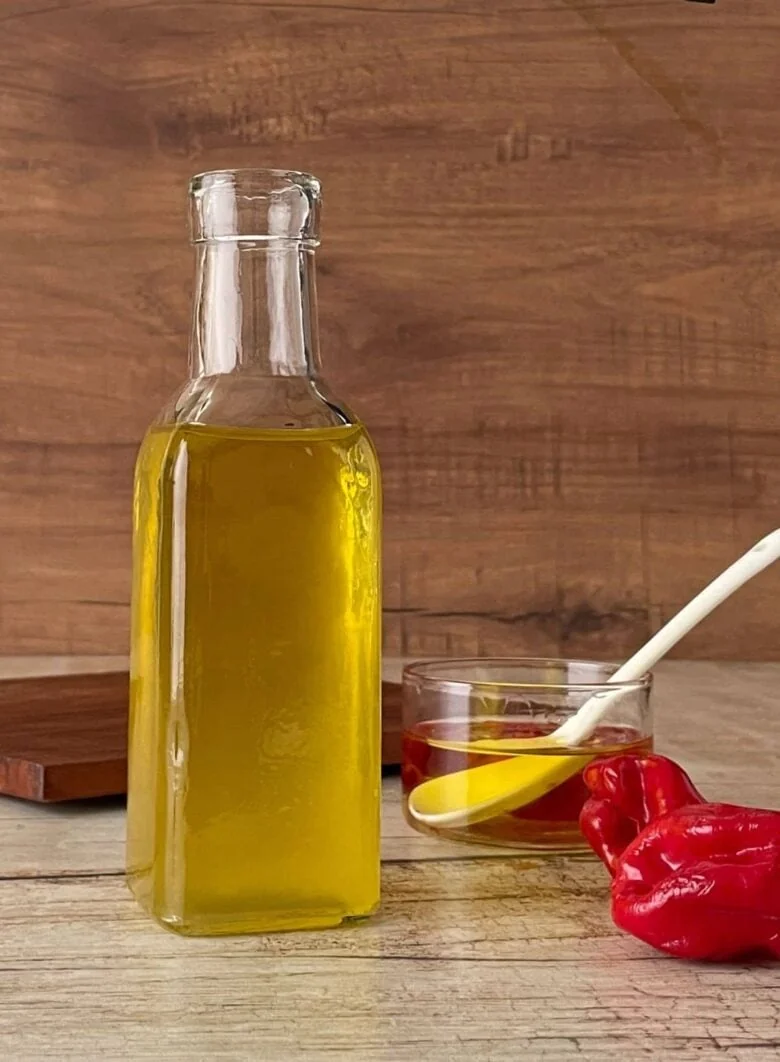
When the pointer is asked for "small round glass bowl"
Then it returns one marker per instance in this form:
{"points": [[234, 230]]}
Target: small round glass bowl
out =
{"points": [[459, 714]]}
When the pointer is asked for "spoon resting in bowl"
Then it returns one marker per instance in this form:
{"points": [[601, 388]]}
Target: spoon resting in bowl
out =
{"points": [[480, 793]]}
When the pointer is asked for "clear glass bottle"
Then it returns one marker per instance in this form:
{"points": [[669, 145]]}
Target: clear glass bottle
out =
{"points": [[254, 766]]}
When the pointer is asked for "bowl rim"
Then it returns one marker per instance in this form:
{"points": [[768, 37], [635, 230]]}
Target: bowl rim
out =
{"points": [[433, 674]]}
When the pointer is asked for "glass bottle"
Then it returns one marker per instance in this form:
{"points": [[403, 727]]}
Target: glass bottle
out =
{"points": [[253, 791]]}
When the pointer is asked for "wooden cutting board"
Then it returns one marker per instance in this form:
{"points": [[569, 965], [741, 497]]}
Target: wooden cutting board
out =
{"points": [[64, 737]]}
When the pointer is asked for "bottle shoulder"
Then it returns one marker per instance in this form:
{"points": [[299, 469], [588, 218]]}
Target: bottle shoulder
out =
{"points": [[248, 400]]}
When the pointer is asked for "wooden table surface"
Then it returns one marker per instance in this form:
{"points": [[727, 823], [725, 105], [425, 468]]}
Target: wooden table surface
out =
{"points": [[475, 954]]}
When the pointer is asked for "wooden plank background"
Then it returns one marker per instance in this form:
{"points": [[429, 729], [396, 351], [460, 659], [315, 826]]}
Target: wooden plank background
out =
{"points": [[549, 283]]}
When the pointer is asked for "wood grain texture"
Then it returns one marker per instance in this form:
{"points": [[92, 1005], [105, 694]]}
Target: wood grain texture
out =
{"points": [[549, 283], [476, 955], [471, 961], [64, 737]]}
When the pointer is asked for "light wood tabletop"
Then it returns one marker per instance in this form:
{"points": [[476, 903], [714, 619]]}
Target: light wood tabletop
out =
{"points": [[476, 954]]}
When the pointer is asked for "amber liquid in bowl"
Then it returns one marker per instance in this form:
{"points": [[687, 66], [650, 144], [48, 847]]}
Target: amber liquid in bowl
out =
{"points": [[551, 823]]}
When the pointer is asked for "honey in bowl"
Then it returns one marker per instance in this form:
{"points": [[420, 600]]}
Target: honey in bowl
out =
{"points": [[433, 748]]}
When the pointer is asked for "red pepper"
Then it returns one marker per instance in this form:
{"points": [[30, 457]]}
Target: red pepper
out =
{"points": [[627, 793], [694, 879]]}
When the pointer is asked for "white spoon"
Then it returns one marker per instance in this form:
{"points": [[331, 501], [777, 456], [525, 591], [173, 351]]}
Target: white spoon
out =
{"points": [[480, 793]]}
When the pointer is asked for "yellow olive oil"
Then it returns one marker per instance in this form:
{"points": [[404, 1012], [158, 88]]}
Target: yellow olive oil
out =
{"points": [[254, 730]]}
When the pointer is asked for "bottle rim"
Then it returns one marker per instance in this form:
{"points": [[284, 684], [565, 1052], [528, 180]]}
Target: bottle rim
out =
{"points": [[255, 205], [274, 180]]}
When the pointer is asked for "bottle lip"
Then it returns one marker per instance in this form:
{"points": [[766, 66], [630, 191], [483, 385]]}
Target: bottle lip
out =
{"points": [[263, 205], [268, 181]]}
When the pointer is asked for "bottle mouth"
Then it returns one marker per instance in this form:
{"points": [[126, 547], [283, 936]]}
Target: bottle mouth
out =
{"points": [[255, 205]]}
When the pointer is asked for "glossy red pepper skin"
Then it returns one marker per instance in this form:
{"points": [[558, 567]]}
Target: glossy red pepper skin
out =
{"points": [[627, 793], [697, 880], [703, 883]]}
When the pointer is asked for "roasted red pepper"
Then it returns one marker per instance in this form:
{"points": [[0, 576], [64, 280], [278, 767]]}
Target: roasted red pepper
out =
{"points": [[694, 879]]}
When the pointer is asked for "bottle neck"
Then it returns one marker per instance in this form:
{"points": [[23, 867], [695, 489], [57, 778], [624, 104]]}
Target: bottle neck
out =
{"points": [[255, 309]]}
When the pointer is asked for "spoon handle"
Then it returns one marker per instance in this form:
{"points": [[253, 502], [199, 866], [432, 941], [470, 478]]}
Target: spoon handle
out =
{"points": [[581, 725]]}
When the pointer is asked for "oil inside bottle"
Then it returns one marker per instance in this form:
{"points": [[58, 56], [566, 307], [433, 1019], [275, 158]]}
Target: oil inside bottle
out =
{"points": [[254, 732]]}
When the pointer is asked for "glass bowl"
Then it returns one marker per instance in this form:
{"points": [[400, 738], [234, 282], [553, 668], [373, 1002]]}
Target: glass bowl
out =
{"points": [[459, 714]]}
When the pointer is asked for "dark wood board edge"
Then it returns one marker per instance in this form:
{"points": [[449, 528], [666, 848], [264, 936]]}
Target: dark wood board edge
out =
{"points": [[22, 778], [83, 781]]}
